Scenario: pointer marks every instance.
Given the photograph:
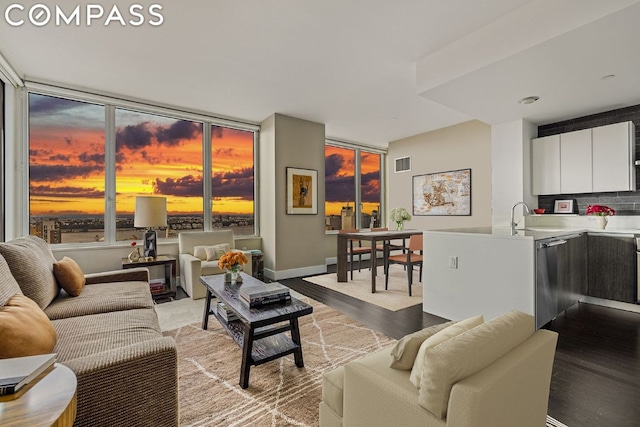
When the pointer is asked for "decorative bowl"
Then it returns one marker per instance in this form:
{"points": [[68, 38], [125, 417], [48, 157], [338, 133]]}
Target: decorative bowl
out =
{"points": [[539, 211]]}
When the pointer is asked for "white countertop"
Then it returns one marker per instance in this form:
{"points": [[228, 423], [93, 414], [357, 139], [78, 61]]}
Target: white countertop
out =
{"points": [[532, 233]]}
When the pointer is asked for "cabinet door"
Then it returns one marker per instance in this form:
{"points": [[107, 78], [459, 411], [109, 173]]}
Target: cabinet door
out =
{"points": [[545, 165], [612, 267], [572, 272], [613, 158], [575, 162]]}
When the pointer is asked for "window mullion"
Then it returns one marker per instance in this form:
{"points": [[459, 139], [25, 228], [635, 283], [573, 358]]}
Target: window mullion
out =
{"points": [[357, 181], [110, 175], [207, 170]]}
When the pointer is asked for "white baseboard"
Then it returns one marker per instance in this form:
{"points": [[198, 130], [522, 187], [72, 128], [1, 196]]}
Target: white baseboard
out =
{"points": [[295, 272]]}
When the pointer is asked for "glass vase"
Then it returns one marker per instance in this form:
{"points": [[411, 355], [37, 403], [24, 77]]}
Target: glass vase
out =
{"points": [[399, 225]]}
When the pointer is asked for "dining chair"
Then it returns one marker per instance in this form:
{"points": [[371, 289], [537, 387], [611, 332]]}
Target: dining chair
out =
{"points": [[389, 247], [408, 259], [355, 250]]}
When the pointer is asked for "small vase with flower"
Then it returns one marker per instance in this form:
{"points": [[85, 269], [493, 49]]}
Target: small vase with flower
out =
{"points": [[232, 261], [601, 213]]}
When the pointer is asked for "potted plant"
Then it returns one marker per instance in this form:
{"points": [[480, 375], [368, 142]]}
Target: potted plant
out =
{"points": [[400, 215], [601, 213]]}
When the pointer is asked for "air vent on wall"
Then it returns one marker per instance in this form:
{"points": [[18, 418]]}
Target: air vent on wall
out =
{"points": [[403, 164]]}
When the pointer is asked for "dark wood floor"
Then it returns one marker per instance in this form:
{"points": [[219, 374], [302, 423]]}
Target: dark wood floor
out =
{"points": [[596, 375]]}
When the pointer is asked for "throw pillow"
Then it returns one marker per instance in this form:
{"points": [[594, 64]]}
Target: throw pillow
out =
{"points": [[439, 338], [404, 353], [468, 353], [216, 251], [32, 268], [8, 285], [69, 275], [200, 252], [24, 329]]}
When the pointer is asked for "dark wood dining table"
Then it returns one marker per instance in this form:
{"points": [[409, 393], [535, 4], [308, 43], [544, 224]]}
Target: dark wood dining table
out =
{"points": [[374, 237]]}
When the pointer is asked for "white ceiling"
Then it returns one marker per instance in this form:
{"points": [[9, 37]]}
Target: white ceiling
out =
{"points": [[373, 71]]}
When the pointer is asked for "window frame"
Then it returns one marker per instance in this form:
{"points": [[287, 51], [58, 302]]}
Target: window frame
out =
{"points": [[110, 104], [357, 181]]}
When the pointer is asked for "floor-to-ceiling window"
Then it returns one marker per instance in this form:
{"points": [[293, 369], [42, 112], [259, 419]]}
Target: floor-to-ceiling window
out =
{"points": [[352, 188], [152, 153], [66, 169], [232, 183], [160, 156]]}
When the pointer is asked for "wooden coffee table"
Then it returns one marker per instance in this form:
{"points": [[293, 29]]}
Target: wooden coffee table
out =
{"points": [[260, 332], [49, 400]]}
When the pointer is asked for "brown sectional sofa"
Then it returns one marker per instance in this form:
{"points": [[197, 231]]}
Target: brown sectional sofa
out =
{"points": [[108, 335]]}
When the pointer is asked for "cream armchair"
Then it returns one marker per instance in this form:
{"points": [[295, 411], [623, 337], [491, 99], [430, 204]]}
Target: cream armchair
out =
{"points": [[494, 375], [192, 267]]}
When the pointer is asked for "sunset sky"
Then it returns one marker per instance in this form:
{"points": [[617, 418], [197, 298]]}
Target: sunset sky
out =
{"points": [[339, 179], [154, 155]]}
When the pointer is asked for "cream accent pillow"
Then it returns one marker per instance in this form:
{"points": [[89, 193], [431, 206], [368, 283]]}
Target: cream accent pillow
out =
{"points": [[439, 338], [216, 251], [200, 252], [468, 353], [24, 329], [404, 353], [69, 276]]}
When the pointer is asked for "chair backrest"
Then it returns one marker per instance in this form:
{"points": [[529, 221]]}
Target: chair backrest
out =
{"points": [[188, 239], [349, 230], [380, 229], [415, 243]]}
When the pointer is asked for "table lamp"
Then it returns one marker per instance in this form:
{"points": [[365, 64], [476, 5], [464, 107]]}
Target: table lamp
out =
{"points": [[151, 211]]}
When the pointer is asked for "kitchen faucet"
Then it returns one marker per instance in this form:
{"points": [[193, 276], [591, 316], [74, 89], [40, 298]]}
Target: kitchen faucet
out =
{"points": [[513, 222]]}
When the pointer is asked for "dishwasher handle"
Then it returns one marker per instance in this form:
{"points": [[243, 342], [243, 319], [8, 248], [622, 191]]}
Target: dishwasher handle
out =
{"points": [[552, 244]]}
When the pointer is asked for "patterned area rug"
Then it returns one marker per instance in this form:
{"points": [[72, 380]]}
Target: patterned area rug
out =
{"points": [[279, 393], [552, 422], [394, 299]]}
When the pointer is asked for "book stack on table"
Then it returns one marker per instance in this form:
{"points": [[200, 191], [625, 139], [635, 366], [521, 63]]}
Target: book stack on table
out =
{"points": [[17, 372], [156, 286], [260, 295], [226, 313]]}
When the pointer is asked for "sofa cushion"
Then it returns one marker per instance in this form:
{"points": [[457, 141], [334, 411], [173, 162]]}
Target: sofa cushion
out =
{"points": [[69, 276], [101, 298], [438, 338], [404, 353], [87, 335], [468, 353], [211, 267], [216, 251], [8, 285], [31, 263], [24, 329]]}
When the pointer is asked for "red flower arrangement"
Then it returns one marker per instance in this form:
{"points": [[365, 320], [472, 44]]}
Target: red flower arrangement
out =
{"points": [[600, 210], [133, 244]]}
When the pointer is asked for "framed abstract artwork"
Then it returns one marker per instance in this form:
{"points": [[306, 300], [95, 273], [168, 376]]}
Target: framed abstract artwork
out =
{"points": [[302, 191], [442, 193]]}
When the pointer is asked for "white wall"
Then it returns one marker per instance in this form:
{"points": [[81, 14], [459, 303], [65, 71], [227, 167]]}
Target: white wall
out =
{"points": [[511, 174], [467, 145], [494, 275]]}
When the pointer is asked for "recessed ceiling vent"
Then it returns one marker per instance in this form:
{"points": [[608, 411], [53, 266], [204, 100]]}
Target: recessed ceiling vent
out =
{"points": [[403, 164]]}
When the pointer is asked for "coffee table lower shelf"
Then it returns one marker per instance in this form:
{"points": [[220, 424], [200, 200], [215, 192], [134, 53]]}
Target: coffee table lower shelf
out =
{"points": [[269, 342]]}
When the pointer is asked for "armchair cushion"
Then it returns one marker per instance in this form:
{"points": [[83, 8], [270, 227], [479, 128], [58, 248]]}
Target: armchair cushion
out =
{"points": [[215, 252], [404, 353], [24, 329], [467, 353], [438, 338], [69, 276]]}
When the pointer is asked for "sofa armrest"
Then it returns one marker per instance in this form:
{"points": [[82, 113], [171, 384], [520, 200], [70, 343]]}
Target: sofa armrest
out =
{"points": [[514, 390], [138, 274], [135, 385]]}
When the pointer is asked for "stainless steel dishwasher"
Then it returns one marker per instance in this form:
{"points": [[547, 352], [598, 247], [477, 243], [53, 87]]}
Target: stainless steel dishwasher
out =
{"points": [[548, 264]]}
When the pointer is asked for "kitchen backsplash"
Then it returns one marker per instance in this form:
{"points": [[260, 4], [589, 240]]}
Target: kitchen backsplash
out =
{"points": [[625, 202]]}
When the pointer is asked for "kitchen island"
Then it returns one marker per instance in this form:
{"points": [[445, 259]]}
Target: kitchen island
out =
{"points": [[490, 270]]}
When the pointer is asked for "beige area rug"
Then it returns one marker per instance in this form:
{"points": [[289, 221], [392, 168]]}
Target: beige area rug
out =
{"points": [[279, 393], [175, 314], [394, 299]]}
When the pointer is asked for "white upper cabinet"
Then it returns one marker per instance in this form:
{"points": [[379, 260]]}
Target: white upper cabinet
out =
{"points": [[613, 157], [545, 165], [575, 162], [586, 161]]}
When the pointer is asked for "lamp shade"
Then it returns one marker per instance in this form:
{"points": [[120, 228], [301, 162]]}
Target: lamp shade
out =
{"points": [[151, 211]]}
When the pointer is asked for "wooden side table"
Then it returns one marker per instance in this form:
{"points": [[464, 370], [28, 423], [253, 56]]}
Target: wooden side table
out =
{"points": [[50, 400], [170, 267]]}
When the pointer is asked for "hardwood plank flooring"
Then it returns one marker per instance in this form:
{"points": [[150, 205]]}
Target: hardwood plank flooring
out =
{"points": [[596, 374]]}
